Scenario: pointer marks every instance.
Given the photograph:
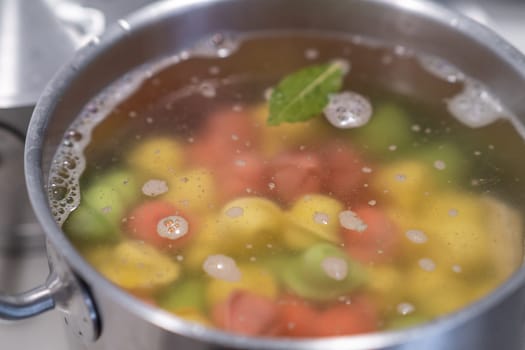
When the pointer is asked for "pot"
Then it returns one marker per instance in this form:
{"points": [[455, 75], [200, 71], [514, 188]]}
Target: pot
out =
{"points": [[101, 316]]}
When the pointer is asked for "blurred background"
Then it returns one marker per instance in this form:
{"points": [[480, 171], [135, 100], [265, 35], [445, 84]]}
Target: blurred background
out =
{"points": [[36, 38]]}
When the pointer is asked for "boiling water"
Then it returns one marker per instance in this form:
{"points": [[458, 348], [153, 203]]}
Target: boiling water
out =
{"points": [[445, 108]]}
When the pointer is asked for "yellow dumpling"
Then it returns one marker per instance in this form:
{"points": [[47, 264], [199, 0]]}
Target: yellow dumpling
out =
{"points": [[385, 281], [455, 223], [505, 231], [207, 241], [249, 220], [405, 184], [134, 265], [277, 138], [437, 292], [416, 240], [158, 157], [193, 190], [253, 278], [311, 219]]}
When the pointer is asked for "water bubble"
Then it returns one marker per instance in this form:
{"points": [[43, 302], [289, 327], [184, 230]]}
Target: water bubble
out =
{"points": [[400, 177], [416, 236], [366, 170], [405, 308], [392, 148], [58, 180], [234, 212], [349, 220], [220, 44], [74, 135], [348, 110], [222, 267], [172, 227], [427, 264], [343, 64], [321, 218], [475, 106], [184, 55], [214, 70], [268, 94], [207, 90], [240, 162], [58, 192], [440, 68], [335, 268], [311, 54], [153, 188], [401, 51], [440, 165], [457, 269], [387, 59], [372, 202], [69, 163]]}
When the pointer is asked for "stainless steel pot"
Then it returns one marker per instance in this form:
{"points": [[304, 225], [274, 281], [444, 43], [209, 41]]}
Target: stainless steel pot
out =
{"points": [[103, 317]]}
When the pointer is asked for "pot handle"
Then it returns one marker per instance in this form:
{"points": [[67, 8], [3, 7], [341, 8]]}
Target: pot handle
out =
{"points": [[27, 304], [63, 291]]}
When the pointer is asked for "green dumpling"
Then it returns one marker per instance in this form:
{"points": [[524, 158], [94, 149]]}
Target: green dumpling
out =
{"points": [[103, 204], [389, 126], [188, 294], [322, 272]]}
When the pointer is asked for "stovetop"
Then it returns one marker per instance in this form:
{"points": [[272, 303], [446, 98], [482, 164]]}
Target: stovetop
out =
{"points": [[23, 262]]}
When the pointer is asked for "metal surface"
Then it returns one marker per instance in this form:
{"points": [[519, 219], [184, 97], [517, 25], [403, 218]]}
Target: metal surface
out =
{"points": [[72, 299], [26, 64], [34, 44], [494, 322], [61, 290]]}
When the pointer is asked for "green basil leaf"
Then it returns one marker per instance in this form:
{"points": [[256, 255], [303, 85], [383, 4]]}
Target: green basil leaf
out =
{"points": [[303, 94]]}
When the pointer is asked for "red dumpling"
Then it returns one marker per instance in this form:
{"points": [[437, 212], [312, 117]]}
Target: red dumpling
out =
{"points": [[379, 242], [295, 174], [246, 313]]}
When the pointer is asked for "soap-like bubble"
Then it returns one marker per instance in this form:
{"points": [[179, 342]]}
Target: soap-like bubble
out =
{"points": [[475, 106], [348, 110], [222, 267]]}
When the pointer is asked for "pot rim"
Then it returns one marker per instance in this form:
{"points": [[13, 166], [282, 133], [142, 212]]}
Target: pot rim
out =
{"points": [[36, 188]]}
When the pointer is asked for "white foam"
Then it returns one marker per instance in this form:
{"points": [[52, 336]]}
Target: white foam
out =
{"points": [[348, 110], [234, 212], [78, 137], [349, 220], [475, 106], [335, 268], [222, 267], [440, 68], [416, 236], [173, 227], [154, 187]]}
